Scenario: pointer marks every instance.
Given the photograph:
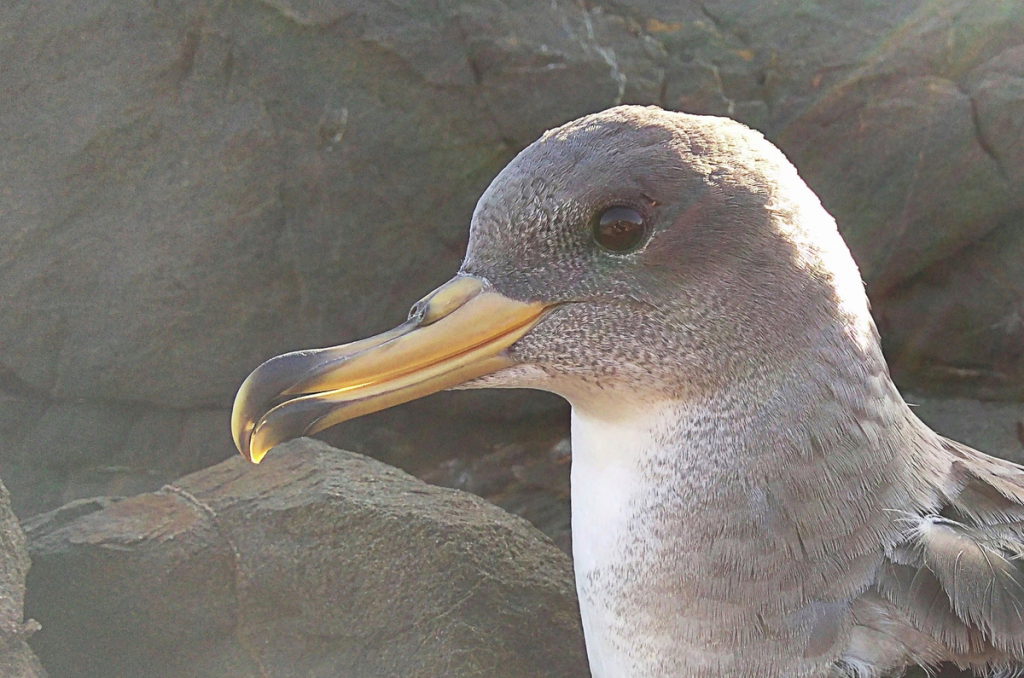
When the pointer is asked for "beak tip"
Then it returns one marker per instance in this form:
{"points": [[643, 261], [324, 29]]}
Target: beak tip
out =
{"points": [[256, 456], [245, 448], [247, 456]]}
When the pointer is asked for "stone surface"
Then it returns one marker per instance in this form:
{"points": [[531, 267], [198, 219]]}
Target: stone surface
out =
{"points": [[996, 428], [318, 562], [54, 451], [529, 479], [958, 327], [16, 658]]}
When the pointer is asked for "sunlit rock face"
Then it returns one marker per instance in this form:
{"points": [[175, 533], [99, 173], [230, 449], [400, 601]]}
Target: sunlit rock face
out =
{"points": [[317, 562]]}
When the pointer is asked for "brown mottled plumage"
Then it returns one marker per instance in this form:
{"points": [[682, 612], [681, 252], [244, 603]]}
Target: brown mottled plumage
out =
{"points": [[752, 498]]}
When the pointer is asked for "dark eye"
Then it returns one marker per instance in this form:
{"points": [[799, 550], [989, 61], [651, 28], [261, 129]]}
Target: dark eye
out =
{"points": [[619, 229]]}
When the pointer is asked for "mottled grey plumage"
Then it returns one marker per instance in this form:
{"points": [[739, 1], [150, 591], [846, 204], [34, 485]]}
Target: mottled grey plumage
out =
{"points": [[751, 495]]}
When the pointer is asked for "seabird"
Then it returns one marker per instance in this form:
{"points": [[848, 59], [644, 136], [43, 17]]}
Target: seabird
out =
{"points": [[751, 496]]}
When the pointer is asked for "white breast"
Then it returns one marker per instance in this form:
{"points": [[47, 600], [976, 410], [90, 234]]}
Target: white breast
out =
{"points": [[605, 485]]}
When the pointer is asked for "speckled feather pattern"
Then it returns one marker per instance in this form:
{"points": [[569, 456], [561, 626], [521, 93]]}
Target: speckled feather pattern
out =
{"points": [[751, 496]]}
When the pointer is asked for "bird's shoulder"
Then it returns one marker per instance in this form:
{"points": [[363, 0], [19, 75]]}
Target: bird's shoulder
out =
{"points": [[953, 588]]}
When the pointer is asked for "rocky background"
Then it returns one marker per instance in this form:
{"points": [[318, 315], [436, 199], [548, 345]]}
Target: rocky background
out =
{"points": [[190, 187]]}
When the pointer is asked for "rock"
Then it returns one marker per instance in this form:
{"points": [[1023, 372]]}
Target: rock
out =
{"points": [[884, 172], [997, 89], [315, 563], [52, 452], [958, 327], [16, 658], [530, 480], [264, 191], [902, 133], [189, 188], [994, 428]]}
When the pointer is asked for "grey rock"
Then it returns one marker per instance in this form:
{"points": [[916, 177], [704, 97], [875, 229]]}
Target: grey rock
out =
{"points": [[530, 480], [16, 658], [993, 427], [958, 327], [233, 181], [53, 452], [997, 89], [317, 562], [894, 173]]}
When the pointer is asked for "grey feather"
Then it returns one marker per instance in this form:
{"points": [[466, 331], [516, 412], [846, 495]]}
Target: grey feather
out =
{"points": [[958, 575], [984, 580], [920, 596]]}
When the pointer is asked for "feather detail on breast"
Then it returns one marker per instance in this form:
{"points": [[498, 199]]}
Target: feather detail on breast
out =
{"points": [[957, 578]]}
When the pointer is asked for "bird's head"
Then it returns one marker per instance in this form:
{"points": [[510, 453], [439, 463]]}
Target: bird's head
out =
{"points": [[630, 256]]}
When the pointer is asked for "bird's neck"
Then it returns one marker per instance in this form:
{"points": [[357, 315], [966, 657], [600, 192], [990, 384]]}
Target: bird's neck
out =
{"points": [[828, 395], [717, 513]]}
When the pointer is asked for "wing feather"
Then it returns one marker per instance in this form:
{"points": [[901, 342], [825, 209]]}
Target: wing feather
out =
{"points": [[958, 575], [982, 577]]}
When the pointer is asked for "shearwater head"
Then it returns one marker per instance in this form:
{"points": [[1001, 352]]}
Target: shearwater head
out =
{"points": [[750, 494]]}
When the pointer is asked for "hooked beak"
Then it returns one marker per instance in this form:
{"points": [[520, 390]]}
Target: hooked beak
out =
{"points": [[456, 333]]}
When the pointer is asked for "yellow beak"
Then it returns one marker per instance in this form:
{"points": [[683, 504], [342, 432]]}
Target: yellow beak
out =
{"points": [[457, 333]]}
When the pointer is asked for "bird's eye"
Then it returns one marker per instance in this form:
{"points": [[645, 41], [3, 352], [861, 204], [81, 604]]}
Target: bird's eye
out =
{"points": [[619, 229]]}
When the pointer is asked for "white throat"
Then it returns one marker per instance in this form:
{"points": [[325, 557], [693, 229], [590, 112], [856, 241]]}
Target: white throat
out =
{"points": [[607, 488], [605, 480]]}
